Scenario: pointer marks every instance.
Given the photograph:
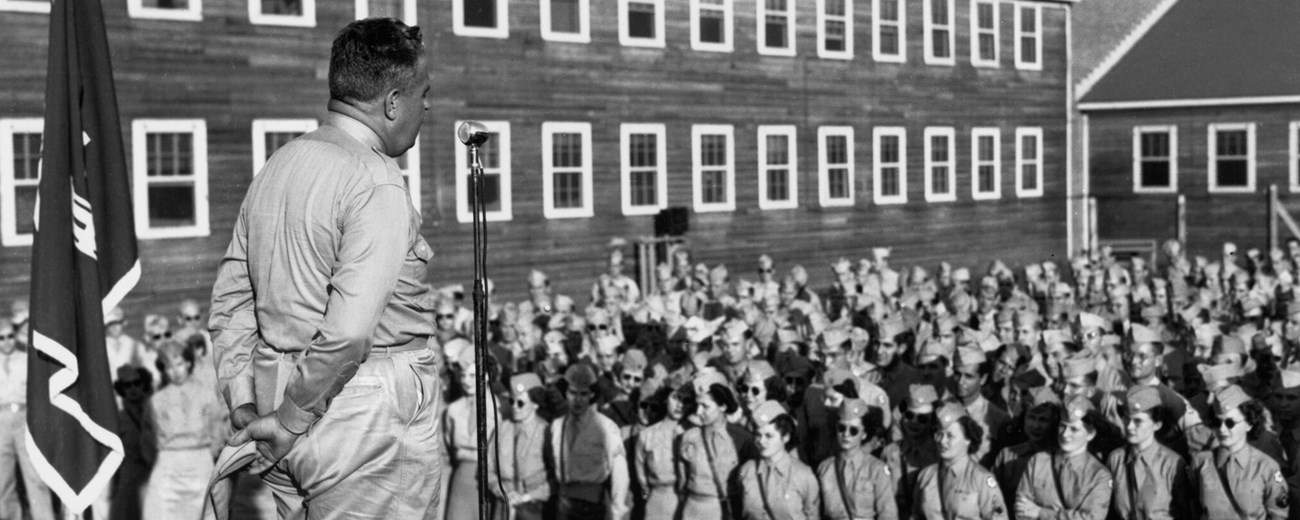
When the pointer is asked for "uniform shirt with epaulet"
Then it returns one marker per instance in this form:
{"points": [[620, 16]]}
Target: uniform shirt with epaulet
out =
{"points": [[1247, 484], [906, 459], [1158, 471], [782, 490], [523, 461], [856, 486], [1009, 467], [1074, 487], [960, 491]]}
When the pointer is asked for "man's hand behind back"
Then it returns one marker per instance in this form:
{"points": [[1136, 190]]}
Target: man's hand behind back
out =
{"points": [[273, 441]]}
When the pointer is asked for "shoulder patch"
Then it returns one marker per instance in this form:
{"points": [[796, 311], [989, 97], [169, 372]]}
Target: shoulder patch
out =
{"points": [[1110, 483], [1277, 477], [887, 472], [992, 484]]}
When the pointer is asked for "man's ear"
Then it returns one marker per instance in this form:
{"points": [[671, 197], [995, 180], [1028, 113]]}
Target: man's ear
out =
{"points": [[390, 104]]}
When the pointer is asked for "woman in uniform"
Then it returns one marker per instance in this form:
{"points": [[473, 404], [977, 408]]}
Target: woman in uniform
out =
{"points": [[460, 429], [181, 427], [710, 452], [523, 441], [1067, 482], [1146, 473], [957, 487], [1237, 480], [854, 484], [1037, 423], [777, 485]]}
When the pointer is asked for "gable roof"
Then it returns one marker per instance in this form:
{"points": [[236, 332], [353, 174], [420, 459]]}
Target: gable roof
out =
{"points": [[1103, 30], [1208, 52]]}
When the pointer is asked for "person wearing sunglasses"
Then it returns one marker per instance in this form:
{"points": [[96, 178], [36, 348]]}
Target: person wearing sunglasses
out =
{"points": [[523, 438], [1236, 480], [1089, 329], [855, 484], [183, 425], [1068, 481], [192, 322], [1042, 414], [767, 285], [758, 385], [777, 485], [13, 428], [1147, 474], [917, 448], [957, 487], [628, 375], [709, 453], [653, 470]]}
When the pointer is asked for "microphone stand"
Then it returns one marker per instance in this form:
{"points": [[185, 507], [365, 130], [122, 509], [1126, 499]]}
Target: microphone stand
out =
{"points": [[480, 327]]}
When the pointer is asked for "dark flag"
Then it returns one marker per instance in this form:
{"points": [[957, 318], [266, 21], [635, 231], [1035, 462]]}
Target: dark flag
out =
{"points": [[83, 262]]}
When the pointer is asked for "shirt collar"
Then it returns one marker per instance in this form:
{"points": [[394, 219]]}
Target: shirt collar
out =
{"points": [[355, 129], [1222, 456], [781, 465]]}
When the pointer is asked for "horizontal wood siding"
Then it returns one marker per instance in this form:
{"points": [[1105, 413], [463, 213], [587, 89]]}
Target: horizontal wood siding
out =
{"points": [[229, 72], [1212, 218]]}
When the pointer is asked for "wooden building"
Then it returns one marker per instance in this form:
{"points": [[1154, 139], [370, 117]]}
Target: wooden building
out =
{"points": [[1202, 106], [805, 129]]}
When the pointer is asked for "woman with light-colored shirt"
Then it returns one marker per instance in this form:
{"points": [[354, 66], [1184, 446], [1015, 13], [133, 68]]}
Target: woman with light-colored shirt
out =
{"points": [[461, 430], [653, 458], [182, 425]]}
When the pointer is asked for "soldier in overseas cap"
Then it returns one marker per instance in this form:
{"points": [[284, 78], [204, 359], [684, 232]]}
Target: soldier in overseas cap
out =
{"points": [[710, 453], [777, 484], [957, 486], [917, 449], [1236, 480], [1068, 482], [855, 484], [590, 463], [523, 439], [1146, 472]]}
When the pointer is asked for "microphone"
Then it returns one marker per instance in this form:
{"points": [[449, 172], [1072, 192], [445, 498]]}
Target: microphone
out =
{"points": [[472, 133]]}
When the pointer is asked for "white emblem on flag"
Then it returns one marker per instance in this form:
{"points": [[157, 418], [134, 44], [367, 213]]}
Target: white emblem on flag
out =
{"points": [[83, 225]]}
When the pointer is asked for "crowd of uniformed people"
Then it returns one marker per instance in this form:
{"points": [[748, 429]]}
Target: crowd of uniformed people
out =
{"points": [[1125, 388]]}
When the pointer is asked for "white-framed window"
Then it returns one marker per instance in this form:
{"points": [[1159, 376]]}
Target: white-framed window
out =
{"points": [[169, 160], [566, 170], [713, 167], [290, 13], [778, 167], [1294, 156], [409, 163], [20, 178], [641, 23], [835, 167], [270, 134], [1155, 159], [181, 10], [644, 162], [939, 33], [835, 29], [940, 164], [403, 10], [775, 27], [711, 22], [1231, 158], [1029, 37], [889, 30], [1029, 162], [889, 164], [984, 37], [566, 21], [986, 163], [494, 155], [481, 18], [26, 6]]}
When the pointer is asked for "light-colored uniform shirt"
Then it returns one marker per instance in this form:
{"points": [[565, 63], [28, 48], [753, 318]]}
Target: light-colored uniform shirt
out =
{"points": [[1067, 488], [523, 465], [962, 491], [856, 486], [585, 447], [326, 258], [1255, 487], [13, 379], [784, 490], [653, 457], [184, 417], [1158, 471], [698, 475]]}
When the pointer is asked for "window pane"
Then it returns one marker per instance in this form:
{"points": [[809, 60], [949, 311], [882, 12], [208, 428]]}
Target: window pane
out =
{"points": [[986, 148], [280, 7], [940, 44], [939, 149], [565, 16], [1029, 147], [986, 178], [775, 32], [1029, 177], [1028, 22], [712, 27], [491, 191], [835, 7], [566, 150], [642, 150], [170, 154], [889, 181], [987, 47], [568, 189], [778, 150], [839, 183], [640, 20], [1231, 142], [171, 206], [1029, 49], [888, 149], [778, 184], [27, 156], [385, 8], [480, 13], [713, 150], [939, 12], [889, 10], [889, 40], [939, 179], [835, 40], [985, 16], [837, 149], [1155, 174], [169, 4], [1232, 172], [644, 184], [1155, 144], [715, 186]]}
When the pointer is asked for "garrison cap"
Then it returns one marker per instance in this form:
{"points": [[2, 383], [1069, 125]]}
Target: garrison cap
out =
{"points": [[758, 371], [524, 382], [1232, 345], [1153, 312], [1141, 334], [634, 361], [961, 274], [970, 356], [456, 348], [1293, 307], [704, 380], [921, 396], [1078, 366], [1229, 397], [734, 328], [767, 412], [1041, 395], [892, 327], [853, 409], [949, 413], [833, 337], [1026, 317], [1090, 320], [718, 274], [1215, 374], [989, 342], [1077, 407], [1142, 399], [880, 253], [788, 336], [580, 375], [1005, 316], [1290, 379]]}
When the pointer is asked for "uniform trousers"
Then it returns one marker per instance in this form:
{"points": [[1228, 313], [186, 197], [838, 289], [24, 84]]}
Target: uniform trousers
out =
{"points": [[13, 455], [373, 455]]}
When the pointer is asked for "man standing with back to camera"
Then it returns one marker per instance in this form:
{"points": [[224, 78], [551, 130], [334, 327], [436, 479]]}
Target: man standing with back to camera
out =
{"points": [[321, 314]]}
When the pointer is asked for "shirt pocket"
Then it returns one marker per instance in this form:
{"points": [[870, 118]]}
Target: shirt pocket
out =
{"points": [[965, 505]]}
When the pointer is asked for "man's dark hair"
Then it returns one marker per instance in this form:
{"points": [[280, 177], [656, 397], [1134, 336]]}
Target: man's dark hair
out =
{"points": [[371, 56]]}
